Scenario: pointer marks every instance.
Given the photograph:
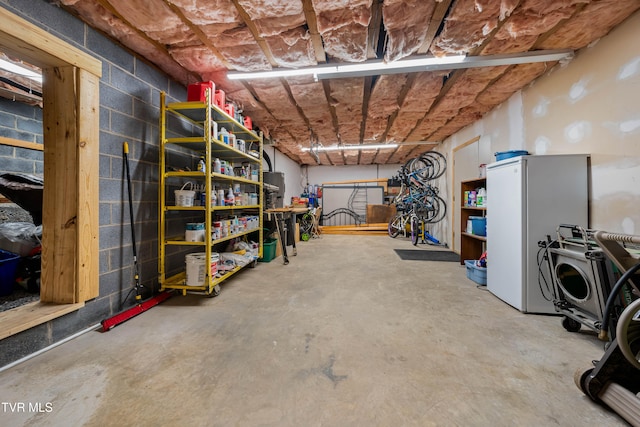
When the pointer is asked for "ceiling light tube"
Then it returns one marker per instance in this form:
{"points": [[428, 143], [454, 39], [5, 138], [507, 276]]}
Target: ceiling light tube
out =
{"points": [[17, 69], [283, 73], [412, 65], [407, 63], [351, 147]]}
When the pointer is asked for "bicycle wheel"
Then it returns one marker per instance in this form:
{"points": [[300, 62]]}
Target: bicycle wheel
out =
{"points": [[415, 230], [395, 226], [437, 210], [426, 168], [438, 162]]}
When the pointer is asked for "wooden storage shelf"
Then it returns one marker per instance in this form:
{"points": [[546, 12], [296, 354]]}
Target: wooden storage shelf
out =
{"points": [[471, 245], [474, 236]]}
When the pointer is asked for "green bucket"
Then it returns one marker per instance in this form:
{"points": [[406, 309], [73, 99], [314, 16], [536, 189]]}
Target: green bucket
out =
{"points": [[268, 250]]}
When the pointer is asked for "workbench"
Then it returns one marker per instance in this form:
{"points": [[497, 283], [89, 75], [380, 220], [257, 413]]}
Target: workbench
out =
{"points": [[280, 215]]}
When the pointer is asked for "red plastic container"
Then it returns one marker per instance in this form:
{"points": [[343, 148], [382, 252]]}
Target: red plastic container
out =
{"points": [[228, 108], [220, 99], [196, 91], [247, 122]]}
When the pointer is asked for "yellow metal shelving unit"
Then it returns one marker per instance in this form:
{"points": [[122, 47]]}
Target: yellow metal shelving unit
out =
{"points": [[201, 115]]}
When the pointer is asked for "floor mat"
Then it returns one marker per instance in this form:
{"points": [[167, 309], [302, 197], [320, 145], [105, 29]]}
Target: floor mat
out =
{"points": [[423, 255]]}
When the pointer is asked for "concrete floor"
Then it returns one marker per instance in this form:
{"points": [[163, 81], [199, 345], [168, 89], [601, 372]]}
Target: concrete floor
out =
{"points": [[347, 334]]}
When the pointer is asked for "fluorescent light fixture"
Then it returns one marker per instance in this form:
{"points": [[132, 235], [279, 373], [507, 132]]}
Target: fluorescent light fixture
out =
{"points": [[372, 67], [350, 147], [412, 65], [16, 69]]}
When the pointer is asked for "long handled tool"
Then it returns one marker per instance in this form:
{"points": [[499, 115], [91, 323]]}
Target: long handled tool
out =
{"points": [[153, 301], [136, 272], [282, 236]]}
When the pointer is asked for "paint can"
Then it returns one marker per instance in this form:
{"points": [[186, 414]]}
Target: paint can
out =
{"points": [[196, 267], [194, 232]]}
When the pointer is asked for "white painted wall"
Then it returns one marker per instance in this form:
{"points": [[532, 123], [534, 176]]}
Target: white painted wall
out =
{"points": [[591, 105], [296, 176], [321, 174], [292, 177]]}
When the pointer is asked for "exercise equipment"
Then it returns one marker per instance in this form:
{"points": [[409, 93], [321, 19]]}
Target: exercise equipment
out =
{"points": [[614, 380], [582, 276]]}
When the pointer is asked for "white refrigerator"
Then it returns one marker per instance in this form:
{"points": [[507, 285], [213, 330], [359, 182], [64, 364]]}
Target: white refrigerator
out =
{"points": [[527, 198]]}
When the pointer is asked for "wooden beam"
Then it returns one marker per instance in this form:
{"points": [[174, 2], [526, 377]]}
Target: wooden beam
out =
{"points": [[36, 46], [326, 85], [559, 25], [368, 88], [256, 34], [60, 219], [287, 88], [27, 316], [453, 77], [434, 24], [411, 78], [253, 93], [466, 143], [356, 230], [160, 48], [88, 269], [374, 30], [199, 33], [22, 144], [20, 96], [312, 24]]}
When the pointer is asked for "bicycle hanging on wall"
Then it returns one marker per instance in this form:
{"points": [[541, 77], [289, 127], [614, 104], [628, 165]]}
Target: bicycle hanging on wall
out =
{"points": [[418, 202]]}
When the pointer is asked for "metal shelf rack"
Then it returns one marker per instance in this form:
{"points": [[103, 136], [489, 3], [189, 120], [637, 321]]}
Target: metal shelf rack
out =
{"points": [[196, 121]]}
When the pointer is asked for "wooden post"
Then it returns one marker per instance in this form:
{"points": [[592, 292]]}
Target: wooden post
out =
{"points": [[60, 220], [88, 98]]}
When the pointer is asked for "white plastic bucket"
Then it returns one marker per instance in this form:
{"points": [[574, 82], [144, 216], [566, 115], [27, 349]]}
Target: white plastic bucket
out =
{"points": [[194, 232], [196, 267], [185, 197]]}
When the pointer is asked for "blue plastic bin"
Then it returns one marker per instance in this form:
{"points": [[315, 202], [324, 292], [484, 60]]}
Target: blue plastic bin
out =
{"points": [[501, 155], [8, 266], [475, 273], [478, 225]]}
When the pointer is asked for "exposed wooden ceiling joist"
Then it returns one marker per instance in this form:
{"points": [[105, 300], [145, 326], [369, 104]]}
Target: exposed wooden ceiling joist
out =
{"points": [[321, 31]]}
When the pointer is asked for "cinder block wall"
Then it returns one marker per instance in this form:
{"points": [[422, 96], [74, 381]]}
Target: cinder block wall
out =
{"points": [[24, 122], [129, 108]]}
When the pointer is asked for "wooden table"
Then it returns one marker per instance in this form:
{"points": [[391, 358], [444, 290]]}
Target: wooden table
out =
{"points": [[280, 214]]}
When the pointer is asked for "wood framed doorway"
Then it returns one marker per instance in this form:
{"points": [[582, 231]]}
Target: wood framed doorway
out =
{"points": [[466, 159], [70, 261]]}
